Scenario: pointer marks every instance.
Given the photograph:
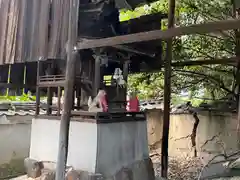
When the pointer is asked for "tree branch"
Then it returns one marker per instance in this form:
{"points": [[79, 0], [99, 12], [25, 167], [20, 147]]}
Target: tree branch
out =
{"points": [[218, 70], [219, 38], [212, 79], [199, 51]]}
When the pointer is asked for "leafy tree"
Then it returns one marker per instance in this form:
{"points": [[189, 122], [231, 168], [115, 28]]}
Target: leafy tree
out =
{"points": [[214, 81]]}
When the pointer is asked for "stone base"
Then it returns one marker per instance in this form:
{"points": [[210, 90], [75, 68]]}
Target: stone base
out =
{"points": [[140, 170]]}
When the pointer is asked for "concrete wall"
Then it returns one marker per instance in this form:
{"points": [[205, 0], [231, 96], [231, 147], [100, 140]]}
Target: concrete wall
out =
{"points": [[82, 143], [120, 145], [216, 133], [15, 134]]}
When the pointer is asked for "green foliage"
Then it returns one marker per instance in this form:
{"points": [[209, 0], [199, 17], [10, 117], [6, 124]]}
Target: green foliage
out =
{"points": [[215, 81], [23, 98], [147, 85]]}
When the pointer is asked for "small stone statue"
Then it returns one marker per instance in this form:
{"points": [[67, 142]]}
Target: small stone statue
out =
{"points": [[99, 103], [119, 77]]}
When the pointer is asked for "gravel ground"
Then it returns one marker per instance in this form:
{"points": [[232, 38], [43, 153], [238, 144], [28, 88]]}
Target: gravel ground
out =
{"points": [[179, 168]]}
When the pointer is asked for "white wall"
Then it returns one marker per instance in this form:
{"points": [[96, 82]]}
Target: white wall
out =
{"points": [[82, 143]]}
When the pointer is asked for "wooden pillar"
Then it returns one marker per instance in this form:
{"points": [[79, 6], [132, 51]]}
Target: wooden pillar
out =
{"points": [[125, 77], [78, 85], [167, 93], [97, 75], [9, 78], [125, 70], [24, 79], [68, 91], [50, 89], [49, 100], [78, 94], [59, 92], [38, 89], [73, 98]]}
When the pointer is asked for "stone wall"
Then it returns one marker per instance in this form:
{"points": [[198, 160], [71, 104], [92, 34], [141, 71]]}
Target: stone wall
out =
{"points": [[216, 133]]}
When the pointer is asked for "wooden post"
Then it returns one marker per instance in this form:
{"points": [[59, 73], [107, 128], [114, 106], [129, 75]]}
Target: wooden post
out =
{"points": [[125, 77], [68, 91], [73, 98], [38, 89], [9, 78], [97, 77], [59, 91], [167, 93], [49, 100], [125, 70], [24, 78], [78, 93]]}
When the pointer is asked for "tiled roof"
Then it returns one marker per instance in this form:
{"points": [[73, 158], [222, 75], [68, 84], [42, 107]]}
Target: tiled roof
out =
{"points": [[19, 109], [151, 104], [20, 113]]}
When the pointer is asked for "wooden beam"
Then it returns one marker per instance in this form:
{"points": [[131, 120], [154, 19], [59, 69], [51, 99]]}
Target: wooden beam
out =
{"points": [[134, 50], [230, 61], [12, 85], [161, 34], [68, 91], [167, 92]]}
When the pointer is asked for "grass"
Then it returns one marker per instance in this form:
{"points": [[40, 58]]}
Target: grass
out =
{"points": [[23, 98]]}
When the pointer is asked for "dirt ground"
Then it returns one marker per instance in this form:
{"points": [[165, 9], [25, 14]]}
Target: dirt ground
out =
{"points": [[12, 169]]}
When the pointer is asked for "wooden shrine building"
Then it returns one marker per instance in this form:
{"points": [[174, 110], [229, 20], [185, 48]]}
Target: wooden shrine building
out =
{"points": [[33, 42]]}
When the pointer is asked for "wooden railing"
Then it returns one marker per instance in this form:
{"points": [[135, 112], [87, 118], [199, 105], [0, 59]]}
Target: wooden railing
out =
{"points": [[52, 78], [58, 80]]}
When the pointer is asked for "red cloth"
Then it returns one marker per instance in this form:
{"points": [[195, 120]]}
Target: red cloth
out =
{"points": [[104, 104], [133, 105]]}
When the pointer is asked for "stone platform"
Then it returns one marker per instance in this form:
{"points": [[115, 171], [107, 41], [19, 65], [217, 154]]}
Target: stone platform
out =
{"points": [[101, 146]]}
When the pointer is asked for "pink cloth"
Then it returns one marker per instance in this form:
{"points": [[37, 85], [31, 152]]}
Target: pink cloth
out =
{"points": [[104, 104], [133, 105]]}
